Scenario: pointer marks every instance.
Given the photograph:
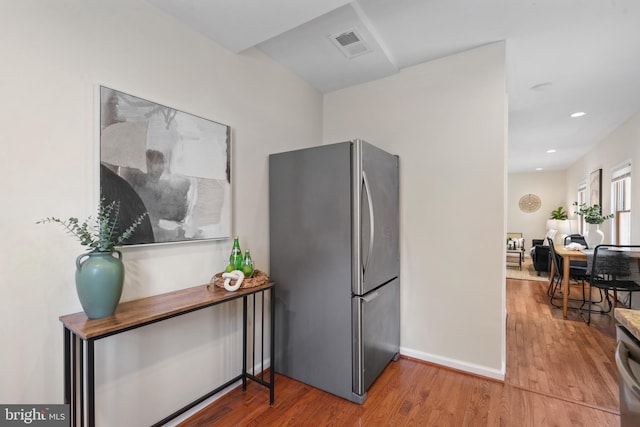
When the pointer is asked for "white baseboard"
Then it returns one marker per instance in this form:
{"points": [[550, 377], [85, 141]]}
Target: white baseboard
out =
{"points": [[455, 364]]}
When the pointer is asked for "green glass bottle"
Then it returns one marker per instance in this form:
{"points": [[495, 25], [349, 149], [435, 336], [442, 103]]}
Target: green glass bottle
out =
{"points": [[247, 264], [236, 255]]}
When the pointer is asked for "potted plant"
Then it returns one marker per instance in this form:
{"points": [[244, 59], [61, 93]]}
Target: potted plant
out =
{"points": [[559, 214], [556, 222], [99, 274], [592, 215]]}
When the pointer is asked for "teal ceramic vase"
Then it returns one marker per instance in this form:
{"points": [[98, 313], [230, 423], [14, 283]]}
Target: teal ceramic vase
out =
{"points": [[99, 280]]}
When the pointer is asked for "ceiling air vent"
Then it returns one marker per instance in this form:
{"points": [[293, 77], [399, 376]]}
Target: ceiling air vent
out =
{"points": [[350, 43]]}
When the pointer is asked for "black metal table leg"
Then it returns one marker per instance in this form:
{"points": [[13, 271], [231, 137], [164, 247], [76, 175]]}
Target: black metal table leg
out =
{"points": [[261, 335], [244, 342], [253, 335], [91, 394], [272, 369], [67, 367], [80, 380]]}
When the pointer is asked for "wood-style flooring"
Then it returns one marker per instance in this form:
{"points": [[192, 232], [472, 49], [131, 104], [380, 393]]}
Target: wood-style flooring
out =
{"points": [[559, 373]]}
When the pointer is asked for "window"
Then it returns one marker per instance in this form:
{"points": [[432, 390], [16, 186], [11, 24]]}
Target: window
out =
{"points": [[621, 204]]}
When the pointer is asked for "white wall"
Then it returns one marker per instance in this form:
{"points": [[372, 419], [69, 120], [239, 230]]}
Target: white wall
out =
{"points": [[550, 187], [446, 119], [53, 54], [620, 146]]}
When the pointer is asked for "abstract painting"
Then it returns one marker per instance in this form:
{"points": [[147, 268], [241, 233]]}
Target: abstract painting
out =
{"points": [[174, 165], [595, 188]]}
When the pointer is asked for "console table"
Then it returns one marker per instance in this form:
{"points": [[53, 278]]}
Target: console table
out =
{"points": [[80, 334]]}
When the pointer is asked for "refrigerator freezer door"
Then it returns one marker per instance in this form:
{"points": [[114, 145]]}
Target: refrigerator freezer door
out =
{"points": [[376, 217], [376, 335]]}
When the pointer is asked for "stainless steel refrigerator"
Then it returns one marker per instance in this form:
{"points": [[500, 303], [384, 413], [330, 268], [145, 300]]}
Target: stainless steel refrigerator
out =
{"points": [[335, 259]]}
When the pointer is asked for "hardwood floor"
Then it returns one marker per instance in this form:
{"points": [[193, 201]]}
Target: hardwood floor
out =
{"points": [[559, 373]]}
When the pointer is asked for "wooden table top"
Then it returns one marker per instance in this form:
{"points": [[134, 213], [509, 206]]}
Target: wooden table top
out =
{"points": [[140, 312], [581, 255], [563, 252]]}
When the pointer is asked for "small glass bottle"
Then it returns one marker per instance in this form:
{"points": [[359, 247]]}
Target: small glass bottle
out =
{"points": [[247, 264], [235, 259]]}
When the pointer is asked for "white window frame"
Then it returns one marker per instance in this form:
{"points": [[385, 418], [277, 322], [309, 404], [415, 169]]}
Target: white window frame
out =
{"points": [[621, 202]]}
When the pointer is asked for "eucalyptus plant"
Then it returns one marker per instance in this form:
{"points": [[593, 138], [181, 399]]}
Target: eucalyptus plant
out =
{"points": [[102, 233], [592, 214]]}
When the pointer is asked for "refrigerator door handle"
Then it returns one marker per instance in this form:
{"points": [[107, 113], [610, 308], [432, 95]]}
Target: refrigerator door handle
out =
{"points": [[371, 296], [365, 182]]}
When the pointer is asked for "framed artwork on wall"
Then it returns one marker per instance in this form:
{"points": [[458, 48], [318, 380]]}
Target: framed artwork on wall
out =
{"points": [[595, 188], [174, 165]]}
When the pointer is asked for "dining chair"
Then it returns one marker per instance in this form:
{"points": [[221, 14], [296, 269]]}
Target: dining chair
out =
{"points": [[575, 238], [576, 273], [612, 268]]}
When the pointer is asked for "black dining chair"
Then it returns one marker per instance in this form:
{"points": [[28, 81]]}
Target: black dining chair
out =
{"points": [[578, 274], [575, 238], [612, 268]]}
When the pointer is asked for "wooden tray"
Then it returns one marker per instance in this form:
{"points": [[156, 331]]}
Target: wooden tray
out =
{"points": [[258, 278]]}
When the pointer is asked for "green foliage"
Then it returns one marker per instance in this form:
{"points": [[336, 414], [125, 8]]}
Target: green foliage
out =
{"points": [[592, 214], [559, 213], [101, 234]]}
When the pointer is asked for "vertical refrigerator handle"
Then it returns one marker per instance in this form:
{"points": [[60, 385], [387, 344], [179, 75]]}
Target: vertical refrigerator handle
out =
{"points": [[365, 183]]}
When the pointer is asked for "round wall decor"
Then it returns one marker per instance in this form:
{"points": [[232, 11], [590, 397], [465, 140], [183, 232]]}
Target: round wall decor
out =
{"points": [[529, 203]]}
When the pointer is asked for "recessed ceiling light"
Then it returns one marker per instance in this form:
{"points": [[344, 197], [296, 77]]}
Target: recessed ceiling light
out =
{"points": [[578, 114], [538, 169], [551, 151]]}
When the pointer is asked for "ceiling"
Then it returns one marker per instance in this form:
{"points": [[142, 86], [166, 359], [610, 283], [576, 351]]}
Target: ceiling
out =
{"points": [[562, 56]]}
